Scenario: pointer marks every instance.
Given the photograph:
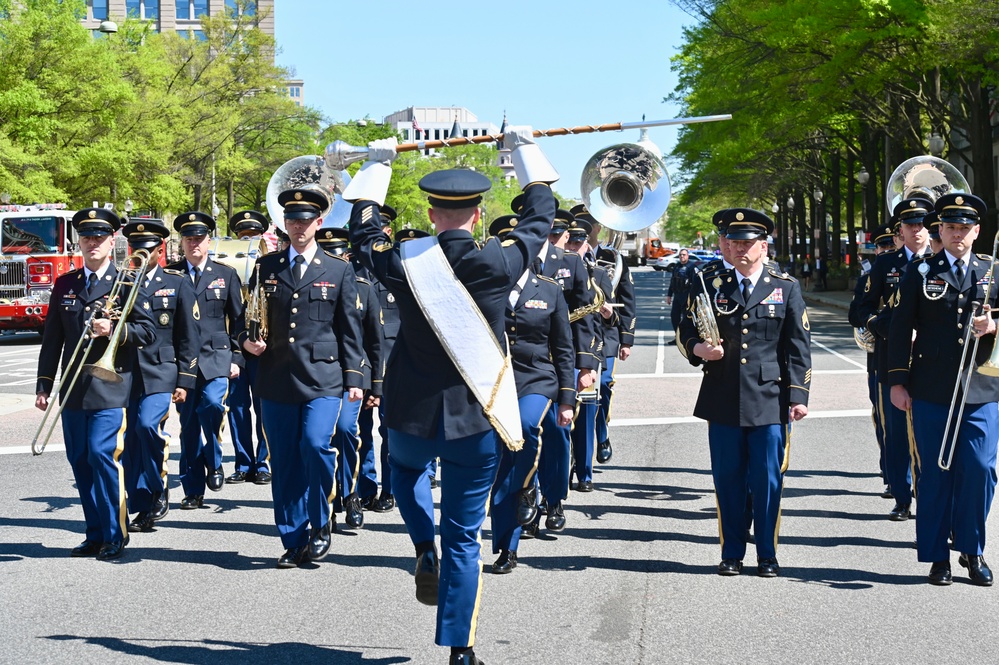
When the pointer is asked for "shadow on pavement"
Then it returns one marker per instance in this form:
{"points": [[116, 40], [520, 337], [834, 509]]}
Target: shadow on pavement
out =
{"points": [[220, 652]]}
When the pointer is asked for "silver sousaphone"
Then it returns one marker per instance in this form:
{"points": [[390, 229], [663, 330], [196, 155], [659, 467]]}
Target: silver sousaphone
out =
{"points": [[924, 176], [309, 172]]}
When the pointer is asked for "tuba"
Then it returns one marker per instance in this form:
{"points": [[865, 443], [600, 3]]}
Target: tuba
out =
{"points": [[924, 176], [309, 172]]}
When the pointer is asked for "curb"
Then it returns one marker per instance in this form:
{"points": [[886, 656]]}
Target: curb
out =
{"points": [[819, 299]]}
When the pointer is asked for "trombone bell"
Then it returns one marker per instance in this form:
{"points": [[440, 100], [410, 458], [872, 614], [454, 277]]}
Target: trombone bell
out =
{"points": [[626, 187], [103, 369]]}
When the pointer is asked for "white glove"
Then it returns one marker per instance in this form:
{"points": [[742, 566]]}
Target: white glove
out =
{"points": [[529, 163], [372, 181]]}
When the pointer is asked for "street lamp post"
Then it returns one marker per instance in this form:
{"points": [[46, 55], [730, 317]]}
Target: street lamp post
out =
{"points": [[936, 144], [863, 177], [823, 246], [795, 237]]}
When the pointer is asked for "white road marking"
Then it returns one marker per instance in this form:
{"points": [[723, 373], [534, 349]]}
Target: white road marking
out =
{"points": [[19, 450], [661, 353], [694, 375], [838, 355]]}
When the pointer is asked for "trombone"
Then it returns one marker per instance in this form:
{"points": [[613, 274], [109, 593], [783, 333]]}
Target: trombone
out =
{"points": [[103, 369], [990, 368]]}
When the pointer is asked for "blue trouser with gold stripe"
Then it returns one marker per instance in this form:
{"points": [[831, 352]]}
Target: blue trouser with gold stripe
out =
{"points": [[367, 481], [898, 461], [517, 471], [878, 418], [468, 469], [303, 464], [606, 394], [242, 405], [958, 500], [346, 443], [583, 440], [95, 440], [745, 459], [202, 412], [555, 464], [147, 446]]}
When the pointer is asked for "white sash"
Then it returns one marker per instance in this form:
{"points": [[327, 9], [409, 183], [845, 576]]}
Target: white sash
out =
{"points": [[465, 334]]}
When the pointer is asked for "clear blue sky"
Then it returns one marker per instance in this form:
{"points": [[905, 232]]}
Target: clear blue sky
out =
{"points": [[548, 64]]}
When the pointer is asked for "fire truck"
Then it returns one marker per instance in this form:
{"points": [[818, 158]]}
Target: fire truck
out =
{"points": [[37, 245]]}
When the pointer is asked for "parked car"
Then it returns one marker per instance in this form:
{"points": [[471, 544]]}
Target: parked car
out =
{"points": [[669, 263]]}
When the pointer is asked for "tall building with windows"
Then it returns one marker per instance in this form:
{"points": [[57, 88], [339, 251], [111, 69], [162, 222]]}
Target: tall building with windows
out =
{"points": [[433, 123], [184, 16]]}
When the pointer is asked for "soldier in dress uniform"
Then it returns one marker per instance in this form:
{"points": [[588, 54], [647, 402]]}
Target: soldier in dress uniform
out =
{"points": [[617, 341], [679, 287], [93, 420], [884, 242], [219, 313], [252, 462], [541, 348], [433, 409], [367, 486], [938, 301], [311, 361], [166, 369], [334, 241], [876, 310], [584, 428], [755, 384]]}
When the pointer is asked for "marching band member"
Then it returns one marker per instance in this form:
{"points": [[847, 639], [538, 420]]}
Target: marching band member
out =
{"points": [[243, 403], [541, 348], [93, 420], [448, 403], [219, 314], [755, 384], [936, 301], [884, 242], [346, 441], [164, 373], [310, 360], [367, 486], [679, 286], [876, 311]]}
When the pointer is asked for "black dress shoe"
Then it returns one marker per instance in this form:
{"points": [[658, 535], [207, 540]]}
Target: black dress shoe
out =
{"points": [[527, 506], [729, 567], [584, 486], [940, 574], [143, 522], [604, 451], [161, 505], [368, 503], [529, 531], [467, 658], [886, 493], [428, 572], [556, 517], [385, 503], [506, 562], [192, 502], [237, 478], [112, 550], [355, 516], [86, 548], [216, 479], [978, 571], [900, 512], [320, 539], [767, 568], [262, 478], [294, 557]]}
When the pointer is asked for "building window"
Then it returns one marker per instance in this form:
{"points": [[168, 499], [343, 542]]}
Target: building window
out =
{"points": [[437, 135], [199, 35], [200, 8], [100, 8], [405, 134], [191, 9], [184, 10], [147, 10], [249, 10]]}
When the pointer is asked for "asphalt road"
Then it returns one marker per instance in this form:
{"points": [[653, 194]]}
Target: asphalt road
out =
{"points": [[631, 579]]}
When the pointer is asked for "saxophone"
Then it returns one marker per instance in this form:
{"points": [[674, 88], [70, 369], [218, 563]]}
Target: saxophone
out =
{"points": [[598, 301], [256, 311]]}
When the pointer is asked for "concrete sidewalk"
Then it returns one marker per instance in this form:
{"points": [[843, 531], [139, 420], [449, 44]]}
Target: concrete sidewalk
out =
{"points": [[839, 299]]}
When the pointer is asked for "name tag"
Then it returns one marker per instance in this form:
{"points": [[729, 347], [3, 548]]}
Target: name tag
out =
{"points": [[935, 286]]}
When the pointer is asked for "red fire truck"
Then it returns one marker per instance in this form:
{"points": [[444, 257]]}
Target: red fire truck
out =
{"points": [[37, 245]]}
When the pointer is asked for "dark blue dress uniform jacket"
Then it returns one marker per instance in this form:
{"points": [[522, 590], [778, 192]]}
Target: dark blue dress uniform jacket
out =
{"points": [[388, 318], [422, 385], [767, 364], [568, 270], [171, 360], [610, 329], [541, 342], [940, 326], [876, 307], [625, 295], [70, 306], [854, 314], [220, 318], [314, 344], [371, 324]]}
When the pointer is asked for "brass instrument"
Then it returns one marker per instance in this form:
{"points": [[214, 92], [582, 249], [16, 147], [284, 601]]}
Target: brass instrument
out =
{"points": [[598, 301], [924, 176], [625, 187], [103, 369], [310, 172], [990, 368], [864, 339], [256, 311], [703, 314]]}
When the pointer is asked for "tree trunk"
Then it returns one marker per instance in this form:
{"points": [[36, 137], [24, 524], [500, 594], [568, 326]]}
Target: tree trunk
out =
{"points": [[982, 164], [833, 207], [851, 224]]}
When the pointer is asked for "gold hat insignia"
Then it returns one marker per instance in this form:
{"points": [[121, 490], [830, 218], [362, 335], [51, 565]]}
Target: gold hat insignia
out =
{"points": [[739, 216], [513, 222], [298, 196], [92, 214], [959, 200], [192, 217], [140, 227], [246, 215]]}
